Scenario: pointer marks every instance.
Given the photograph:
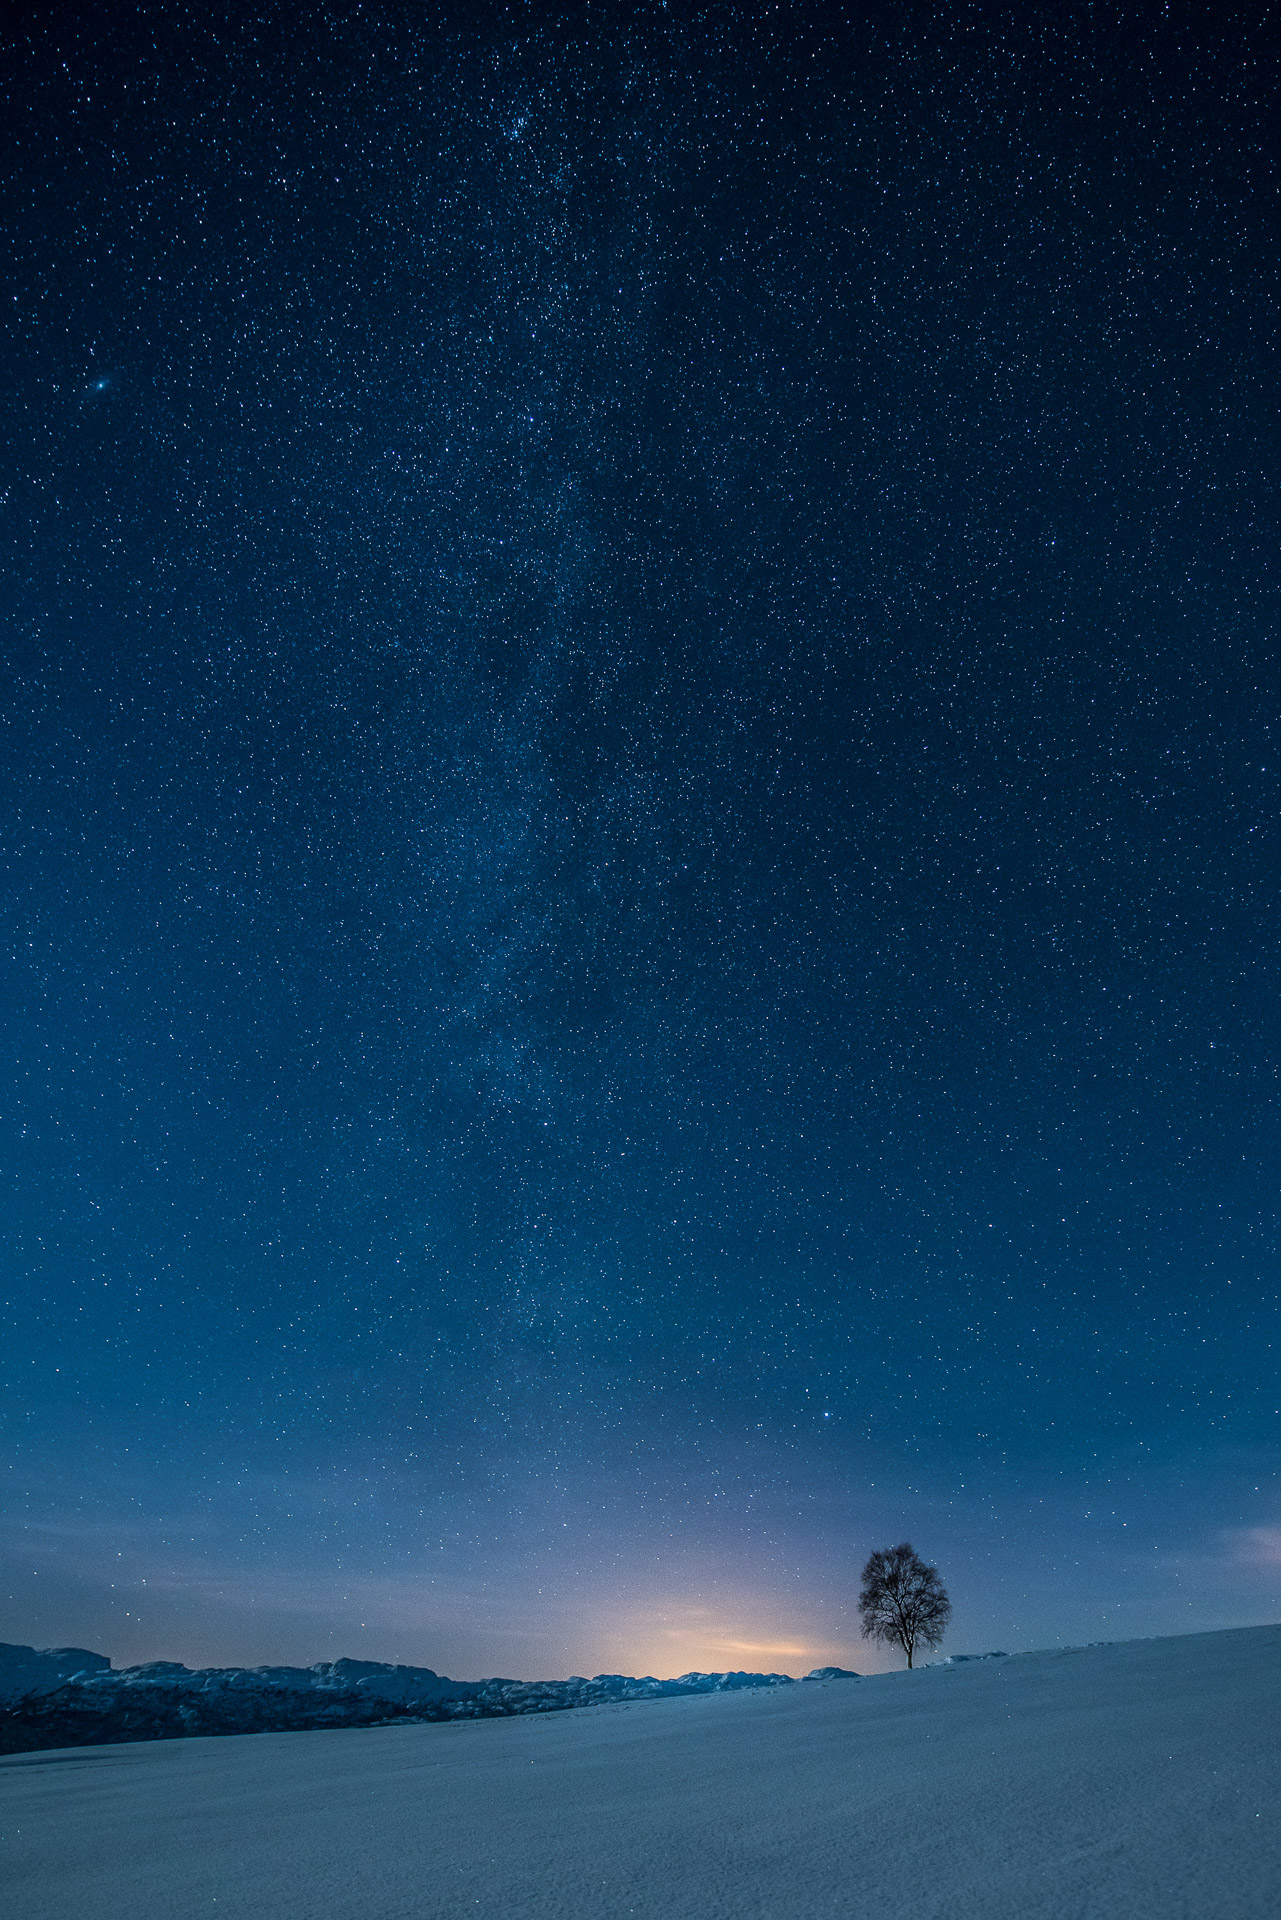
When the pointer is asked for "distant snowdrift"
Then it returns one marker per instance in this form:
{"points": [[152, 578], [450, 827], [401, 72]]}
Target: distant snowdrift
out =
{"points": [[67, 1697], [1131, 1782]]}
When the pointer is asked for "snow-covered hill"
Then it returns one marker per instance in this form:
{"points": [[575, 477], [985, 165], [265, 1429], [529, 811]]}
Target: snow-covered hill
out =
{"points": [[1129, 1782]]}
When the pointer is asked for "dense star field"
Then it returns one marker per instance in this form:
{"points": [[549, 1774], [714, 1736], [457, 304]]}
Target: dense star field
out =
{"points": [[638, 804]]}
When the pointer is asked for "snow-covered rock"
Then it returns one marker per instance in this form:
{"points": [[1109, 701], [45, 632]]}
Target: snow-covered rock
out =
{"points": [[965, 1659], [26, 1670]]}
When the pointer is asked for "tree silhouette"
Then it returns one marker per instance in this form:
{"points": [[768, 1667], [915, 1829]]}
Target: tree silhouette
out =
{"points": [[903, 1602]]}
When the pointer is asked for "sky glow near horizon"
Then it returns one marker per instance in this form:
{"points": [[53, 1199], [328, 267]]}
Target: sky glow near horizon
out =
{"points": [[639, 805]]}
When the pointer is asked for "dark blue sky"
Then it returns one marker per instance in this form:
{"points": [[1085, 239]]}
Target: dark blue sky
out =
{"points": [[640, 832]]}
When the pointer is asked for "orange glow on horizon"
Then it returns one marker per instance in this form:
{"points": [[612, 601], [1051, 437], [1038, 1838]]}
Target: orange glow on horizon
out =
{"points": [[671, 1640]]}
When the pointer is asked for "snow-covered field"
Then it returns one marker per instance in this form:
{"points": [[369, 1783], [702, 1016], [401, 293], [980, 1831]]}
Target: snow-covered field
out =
{"points": [[1132, 1780]]}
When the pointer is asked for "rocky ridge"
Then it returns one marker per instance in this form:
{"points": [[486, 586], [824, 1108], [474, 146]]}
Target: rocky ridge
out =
{"points": [[68, 1697]]}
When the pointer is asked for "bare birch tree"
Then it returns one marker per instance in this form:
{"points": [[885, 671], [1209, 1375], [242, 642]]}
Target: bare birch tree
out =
{"points": [[903, 1602]]}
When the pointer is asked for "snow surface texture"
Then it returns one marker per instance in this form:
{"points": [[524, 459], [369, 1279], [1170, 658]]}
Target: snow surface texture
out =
{"points": [[1129, 1782]]}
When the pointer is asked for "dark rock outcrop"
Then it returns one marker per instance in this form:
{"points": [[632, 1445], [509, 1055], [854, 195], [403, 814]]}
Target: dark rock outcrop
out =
{"points": [[86, 1716]]}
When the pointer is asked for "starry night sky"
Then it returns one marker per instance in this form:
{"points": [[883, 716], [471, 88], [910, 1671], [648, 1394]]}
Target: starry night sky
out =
{"points": [[638, 804]]}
